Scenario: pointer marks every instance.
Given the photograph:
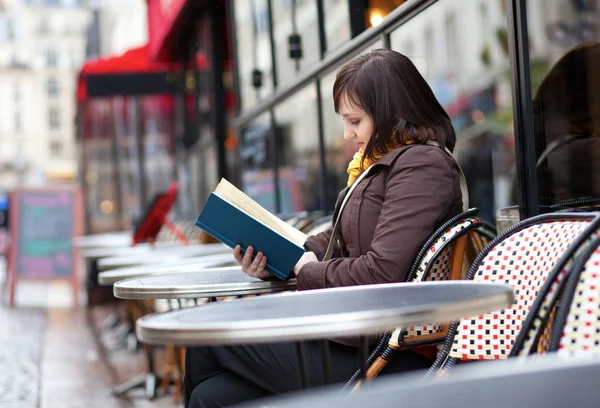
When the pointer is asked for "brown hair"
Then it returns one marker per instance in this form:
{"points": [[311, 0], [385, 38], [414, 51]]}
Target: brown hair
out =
{"points": [[389, 88]]}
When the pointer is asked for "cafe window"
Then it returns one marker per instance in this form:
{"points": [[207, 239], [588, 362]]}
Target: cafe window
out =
{"points": [[56, 149], [337, 23], [52, 87], [296, 18], [254, 51], [565, 80], [298, 152], [256, 154], [53, 118]]}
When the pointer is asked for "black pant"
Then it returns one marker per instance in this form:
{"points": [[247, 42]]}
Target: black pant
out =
{"points": [[222, 376]]}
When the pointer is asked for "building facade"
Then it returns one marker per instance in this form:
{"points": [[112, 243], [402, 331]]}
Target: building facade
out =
{"points": [[489, 62], [42, 46]]}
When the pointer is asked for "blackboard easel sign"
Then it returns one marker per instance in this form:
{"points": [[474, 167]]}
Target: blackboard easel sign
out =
{"points": [[43, 222]]}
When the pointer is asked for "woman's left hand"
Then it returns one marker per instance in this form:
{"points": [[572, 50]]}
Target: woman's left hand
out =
{"points": [[254, 268], [306, 258]]}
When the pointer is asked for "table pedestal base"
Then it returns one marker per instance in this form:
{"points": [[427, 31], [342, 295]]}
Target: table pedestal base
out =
{"points": [[148, 381]]}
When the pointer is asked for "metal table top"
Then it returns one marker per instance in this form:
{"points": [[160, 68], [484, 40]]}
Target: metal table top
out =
{"points": [[106, 252], [540, 381], [192, 264], [209, 282], [162, 255], [107, 240], [324, 313]]}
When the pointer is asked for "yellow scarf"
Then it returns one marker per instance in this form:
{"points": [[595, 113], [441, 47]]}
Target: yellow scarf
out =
{"points": [[355, 168]]}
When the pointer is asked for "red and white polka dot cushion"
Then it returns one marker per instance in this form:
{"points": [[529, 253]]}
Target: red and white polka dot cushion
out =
{"points": [[523, 260]]}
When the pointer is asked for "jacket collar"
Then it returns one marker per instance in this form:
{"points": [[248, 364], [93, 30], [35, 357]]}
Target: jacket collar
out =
{"points": [[390, 157]]}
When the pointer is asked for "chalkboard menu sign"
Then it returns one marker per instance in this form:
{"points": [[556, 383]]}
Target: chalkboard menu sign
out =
{"points": [[43, 224]]}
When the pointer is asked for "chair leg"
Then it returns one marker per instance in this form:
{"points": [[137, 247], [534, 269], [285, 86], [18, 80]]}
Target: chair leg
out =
{"points": [[167, 368], [384, 358]]}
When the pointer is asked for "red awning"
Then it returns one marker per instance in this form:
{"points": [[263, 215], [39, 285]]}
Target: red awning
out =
{"points": [[131, 62], [164, 16]]}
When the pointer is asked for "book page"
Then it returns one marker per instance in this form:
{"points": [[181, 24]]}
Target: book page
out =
{"points": [[233, 195]]}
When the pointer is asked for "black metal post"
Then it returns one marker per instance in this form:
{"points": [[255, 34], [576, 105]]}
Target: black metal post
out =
{"points": [[325, 187], [141, 155], [235, 73], [274, 143], [219, 107], [197, 120], [275, 155], [322, 33], [357, 11], [363, 355], [387, 40], [321, 128], [114, 153], [83, 165], [272, 43], [522, 109]]}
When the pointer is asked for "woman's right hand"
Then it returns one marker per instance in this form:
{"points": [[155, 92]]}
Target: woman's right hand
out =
{"points": [[254, 268]]}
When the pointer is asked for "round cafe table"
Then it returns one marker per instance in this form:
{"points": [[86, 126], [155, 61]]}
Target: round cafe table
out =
{"points": [[192, 264], [318, 314], [321, 314], [536, 381], [143, 248], [204, 283], [106, 240], [163, 255]]}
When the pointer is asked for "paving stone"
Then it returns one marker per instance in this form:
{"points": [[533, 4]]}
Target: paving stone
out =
{"points": [[21, 344], [53, 358]]}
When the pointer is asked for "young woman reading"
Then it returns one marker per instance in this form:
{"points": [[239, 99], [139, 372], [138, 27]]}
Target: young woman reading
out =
{"points": [[402, 135]]}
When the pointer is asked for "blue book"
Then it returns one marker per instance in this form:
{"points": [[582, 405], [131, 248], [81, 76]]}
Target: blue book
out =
{"points": [[233, 218]]}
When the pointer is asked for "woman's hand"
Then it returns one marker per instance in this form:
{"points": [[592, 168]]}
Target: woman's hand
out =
{"points": [[255, 268], [306, 258]]}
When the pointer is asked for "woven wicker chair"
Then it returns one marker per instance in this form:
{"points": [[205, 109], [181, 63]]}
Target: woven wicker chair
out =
{"points": [[478, 239], [523, 256], [577, 205], [440, 258], [575, 332], [535, 334]]}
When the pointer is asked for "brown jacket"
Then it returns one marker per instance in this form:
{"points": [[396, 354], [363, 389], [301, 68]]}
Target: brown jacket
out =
{"points": [[407, 194]]}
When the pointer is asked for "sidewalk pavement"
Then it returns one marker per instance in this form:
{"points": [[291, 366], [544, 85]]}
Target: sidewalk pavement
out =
{"points": [[53, 357]]}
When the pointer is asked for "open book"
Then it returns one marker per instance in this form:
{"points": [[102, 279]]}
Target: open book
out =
{"points": [[233, 218]]}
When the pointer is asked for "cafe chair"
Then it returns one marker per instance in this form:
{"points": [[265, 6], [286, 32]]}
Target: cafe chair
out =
{"points": [[304, 224], [586, 204], [535, 334], [523, 256], [509, 216], [575, 332], [477, 239], [440, 258]]}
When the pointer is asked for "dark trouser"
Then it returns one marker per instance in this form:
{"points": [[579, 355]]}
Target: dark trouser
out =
{"points": [[222, 376]]}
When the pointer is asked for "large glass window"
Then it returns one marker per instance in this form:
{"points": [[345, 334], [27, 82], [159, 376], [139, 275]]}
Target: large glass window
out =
{"points": [[295, 17], [337, 27], [565, 75], [254, 50], [466, 64], [102, 202], [298, 152], [256, 153], [123, 125]]}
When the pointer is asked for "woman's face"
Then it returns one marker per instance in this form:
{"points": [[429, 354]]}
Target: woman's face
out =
{"points": [[358, 125]]}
